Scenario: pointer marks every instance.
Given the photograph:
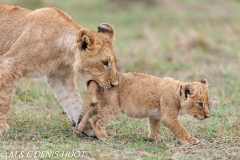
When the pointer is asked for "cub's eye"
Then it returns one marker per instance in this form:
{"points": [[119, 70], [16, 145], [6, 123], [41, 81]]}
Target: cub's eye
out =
{"points": [[105, 63], [200, 104]]}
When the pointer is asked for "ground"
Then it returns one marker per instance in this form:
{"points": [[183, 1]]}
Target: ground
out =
{"points": [[185, 40]]}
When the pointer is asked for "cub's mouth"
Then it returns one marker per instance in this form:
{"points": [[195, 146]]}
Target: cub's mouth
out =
{"points": [[199, 117]]}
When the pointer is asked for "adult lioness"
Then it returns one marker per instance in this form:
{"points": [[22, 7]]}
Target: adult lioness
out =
{"points": [[141, 95], [48, 42]]}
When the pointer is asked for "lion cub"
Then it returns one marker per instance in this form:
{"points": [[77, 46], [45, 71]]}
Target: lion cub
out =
{"points": [[140, 95]]}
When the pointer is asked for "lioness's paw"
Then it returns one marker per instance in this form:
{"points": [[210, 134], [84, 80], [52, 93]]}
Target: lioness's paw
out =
{"points": [[4, 128]]}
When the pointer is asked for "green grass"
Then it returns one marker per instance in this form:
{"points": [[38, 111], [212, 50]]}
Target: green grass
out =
{"points": [[186, 40]]}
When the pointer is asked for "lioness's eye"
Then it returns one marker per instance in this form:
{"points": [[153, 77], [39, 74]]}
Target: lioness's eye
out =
{"points": [[200, 104], [105, 63]]}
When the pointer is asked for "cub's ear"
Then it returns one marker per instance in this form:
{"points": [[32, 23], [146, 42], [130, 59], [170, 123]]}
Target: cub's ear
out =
{"points": [[85, 39], [187, 90], [204, 81], [106, 30]]}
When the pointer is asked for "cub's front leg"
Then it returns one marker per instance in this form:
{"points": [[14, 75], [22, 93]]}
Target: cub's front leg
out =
{"points": [[91, 92], [108, 108], [99, 124], [87, 110], [91, 111], [171, 122]]}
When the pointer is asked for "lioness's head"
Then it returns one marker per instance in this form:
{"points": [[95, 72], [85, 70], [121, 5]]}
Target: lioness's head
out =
{"points": [[96, 59], [195, 99]]}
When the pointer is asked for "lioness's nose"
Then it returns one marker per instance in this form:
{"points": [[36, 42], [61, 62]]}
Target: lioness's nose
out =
{"points": [[206, 116]]}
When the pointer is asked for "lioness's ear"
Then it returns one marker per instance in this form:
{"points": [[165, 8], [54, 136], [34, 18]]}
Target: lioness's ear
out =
{"points": [[205, 82], [188, 90], [85, 39], [107, 31]]}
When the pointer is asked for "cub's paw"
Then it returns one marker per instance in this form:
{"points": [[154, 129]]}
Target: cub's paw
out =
{"points": [[104, 138], [4, 128], [88, 130], [193, 141], [190, 141]]}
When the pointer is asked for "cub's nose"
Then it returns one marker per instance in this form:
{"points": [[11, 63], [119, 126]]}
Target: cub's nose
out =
{"points": [[206, 116]]}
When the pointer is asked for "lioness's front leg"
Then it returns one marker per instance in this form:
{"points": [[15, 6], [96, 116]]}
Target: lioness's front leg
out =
{"points": [[6, 95], [63, 84], [176, 127], [8, 83]]}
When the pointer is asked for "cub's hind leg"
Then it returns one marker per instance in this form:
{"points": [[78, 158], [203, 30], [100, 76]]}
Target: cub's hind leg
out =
{"points": [[153, 128]]}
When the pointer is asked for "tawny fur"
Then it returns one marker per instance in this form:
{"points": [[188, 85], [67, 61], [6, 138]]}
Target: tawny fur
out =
{"points": [[159, 99], [91, 92], [48, 42]]}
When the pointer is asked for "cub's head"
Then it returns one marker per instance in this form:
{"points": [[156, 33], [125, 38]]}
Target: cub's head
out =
{"points": [[96, 59], [195, 99]]}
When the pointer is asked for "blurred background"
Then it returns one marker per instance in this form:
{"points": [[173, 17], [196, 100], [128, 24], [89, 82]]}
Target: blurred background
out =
{"points": [[188, 40], [183, 39]]}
